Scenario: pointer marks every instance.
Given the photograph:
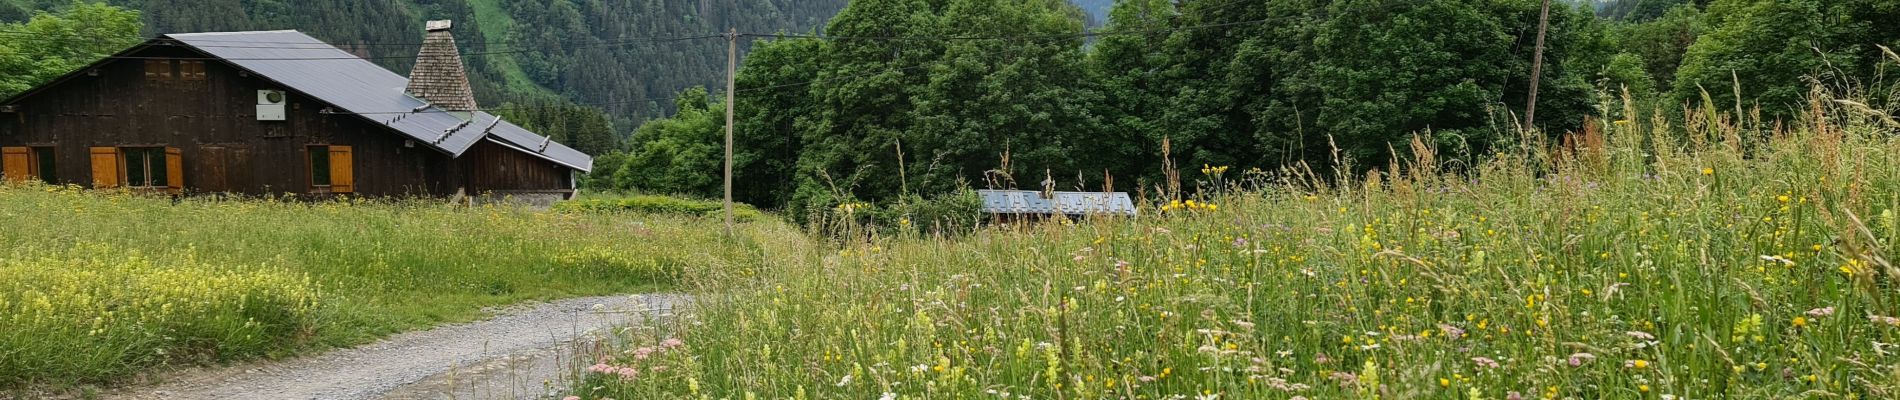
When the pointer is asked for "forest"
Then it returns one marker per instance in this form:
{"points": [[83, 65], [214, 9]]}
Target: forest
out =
{"points": [[1244, 84]]}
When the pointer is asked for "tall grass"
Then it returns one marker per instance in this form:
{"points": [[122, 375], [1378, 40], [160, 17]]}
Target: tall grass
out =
{"points": [[1712, 257], [98, 286]]}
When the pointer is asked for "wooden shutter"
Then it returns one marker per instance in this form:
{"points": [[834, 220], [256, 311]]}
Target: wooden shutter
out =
{"points": [[192, 70], [105, 167], [17, 163], [342, 173], [174, 170], [158, 70]]}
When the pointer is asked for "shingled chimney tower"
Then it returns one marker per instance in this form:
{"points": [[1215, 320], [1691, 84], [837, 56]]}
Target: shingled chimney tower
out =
{"points": [[439, 77]]}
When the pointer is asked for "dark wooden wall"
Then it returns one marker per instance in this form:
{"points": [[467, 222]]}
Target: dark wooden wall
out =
{"points": [[226, 149], [498, 168]]}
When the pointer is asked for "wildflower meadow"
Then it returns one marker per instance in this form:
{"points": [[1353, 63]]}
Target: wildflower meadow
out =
{"points": [[1709, 257], [105, 287]]}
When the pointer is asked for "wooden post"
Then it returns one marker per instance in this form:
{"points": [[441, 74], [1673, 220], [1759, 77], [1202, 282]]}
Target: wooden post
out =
{"points": [[732, 72], [1537, 68]]}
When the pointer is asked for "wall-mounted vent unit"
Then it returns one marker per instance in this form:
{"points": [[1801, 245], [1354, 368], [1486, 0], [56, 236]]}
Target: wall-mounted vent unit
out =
{"points": [[270, 105]]}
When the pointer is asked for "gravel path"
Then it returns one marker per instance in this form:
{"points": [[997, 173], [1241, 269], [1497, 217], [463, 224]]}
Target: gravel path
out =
{"points": [[523, 353]]}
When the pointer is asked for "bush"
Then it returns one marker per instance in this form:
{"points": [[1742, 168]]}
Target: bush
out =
{"points": [[661, 205], [953, 213], [956, 212]]}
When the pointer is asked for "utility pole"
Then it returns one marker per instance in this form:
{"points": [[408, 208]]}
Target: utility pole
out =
{"points": [[1537, 68], [732, 83]]}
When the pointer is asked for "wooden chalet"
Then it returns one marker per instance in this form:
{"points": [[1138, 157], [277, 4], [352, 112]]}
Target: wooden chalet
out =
{"points": [[276, 112]]}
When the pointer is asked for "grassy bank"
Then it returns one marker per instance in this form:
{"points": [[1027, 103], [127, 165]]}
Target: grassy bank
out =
{"points": [[102, 285], [1708, 260]]}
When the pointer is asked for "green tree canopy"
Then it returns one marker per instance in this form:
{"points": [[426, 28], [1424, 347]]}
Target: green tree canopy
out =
{"points": [[50, 45]]}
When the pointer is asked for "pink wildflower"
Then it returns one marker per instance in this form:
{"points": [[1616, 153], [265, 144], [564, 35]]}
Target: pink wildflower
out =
{"points": [[1642, 335], [1821, 312], [1451, 331], [672, 342], [1883, 320], [1485, 362], [606, 369], [642, 353], [1577, 360], [1346, 380]]}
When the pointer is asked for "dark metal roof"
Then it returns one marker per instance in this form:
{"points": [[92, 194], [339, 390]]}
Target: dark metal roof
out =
{"points": [[1069, 203], [538, 145], [354, 85]]}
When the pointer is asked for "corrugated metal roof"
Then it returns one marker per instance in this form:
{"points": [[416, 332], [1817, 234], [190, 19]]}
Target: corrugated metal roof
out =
{"points": [[351, 84], [538, 145], [1069, 203]]}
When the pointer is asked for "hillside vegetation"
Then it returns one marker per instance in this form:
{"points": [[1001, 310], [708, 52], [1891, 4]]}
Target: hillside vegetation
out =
{"points": [[1708, 257], [539, 53], [102, 285], [1019, 94]]}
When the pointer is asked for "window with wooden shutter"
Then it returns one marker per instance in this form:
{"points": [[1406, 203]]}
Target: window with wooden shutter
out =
{"points": [[319, 160], [191, 70], [145, 167], [105, 167], [158, 70], [16, 164], [174, 170], [342, 170], [44, 164]]}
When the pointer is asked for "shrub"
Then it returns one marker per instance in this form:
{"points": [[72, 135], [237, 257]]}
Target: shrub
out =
{"points": [[661, 205], [954, 213]]}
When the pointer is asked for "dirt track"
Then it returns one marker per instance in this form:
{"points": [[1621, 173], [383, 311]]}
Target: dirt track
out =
{"points": [[523, 353]]}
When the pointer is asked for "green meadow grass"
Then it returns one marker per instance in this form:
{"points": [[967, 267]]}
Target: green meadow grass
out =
{"points": [[1647, 262], [99, 286]]}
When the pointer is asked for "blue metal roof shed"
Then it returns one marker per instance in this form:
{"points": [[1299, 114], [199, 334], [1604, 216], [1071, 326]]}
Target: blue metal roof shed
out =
{"points": [[1030, 202]]}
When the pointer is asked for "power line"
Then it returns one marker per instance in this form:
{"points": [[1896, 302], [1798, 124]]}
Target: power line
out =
{"points": [[321, 45], [654, 99], [472, 54], [832, 79], [1085, 33], [676, 97]]}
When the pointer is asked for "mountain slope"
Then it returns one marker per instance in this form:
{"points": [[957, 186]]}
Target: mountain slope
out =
{"points": [[522, 51]]}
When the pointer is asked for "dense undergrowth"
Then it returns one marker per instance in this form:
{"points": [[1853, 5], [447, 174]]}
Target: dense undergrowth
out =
{"points": [[658, 205], [96, 287], [1713, 257]]}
